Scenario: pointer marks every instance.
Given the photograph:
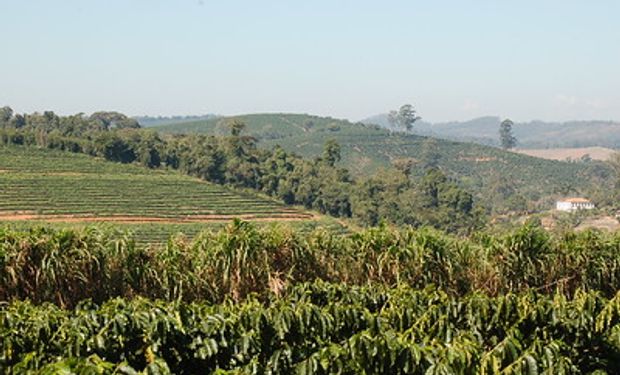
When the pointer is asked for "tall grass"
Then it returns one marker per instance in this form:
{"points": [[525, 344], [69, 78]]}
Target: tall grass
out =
{"points": [[66, 266]]}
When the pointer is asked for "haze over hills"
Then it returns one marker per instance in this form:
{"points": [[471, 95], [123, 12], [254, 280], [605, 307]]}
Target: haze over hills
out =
{"points": [[533, 134], [367, 149], [149, 121]]}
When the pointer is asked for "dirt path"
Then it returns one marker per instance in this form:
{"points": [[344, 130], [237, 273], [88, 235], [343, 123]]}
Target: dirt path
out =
{"points": [[152, 219]]}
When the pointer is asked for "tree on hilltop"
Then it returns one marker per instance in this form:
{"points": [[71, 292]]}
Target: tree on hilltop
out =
{"points": [[506, 139], [404, 118]]}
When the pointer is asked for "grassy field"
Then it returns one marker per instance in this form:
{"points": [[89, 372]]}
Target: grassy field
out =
{"points": [[44, 186], [367, 149]]}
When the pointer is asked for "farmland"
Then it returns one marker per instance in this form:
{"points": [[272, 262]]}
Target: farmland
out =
{"points": [[46, 186], [320, 329], [290, 188], [367, 149], [250, 300]]}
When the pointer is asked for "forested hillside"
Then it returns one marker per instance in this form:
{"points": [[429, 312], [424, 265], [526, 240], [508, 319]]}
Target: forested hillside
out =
{"points": [[502, 179], [319, 183]]}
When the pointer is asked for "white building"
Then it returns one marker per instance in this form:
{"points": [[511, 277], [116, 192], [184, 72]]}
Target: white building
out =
{"points": [[572, 204]]}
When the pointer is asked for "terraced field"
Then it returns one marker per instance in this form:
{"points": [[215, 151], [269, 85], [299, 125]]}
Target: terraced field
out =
{"points": [[45, 186]]}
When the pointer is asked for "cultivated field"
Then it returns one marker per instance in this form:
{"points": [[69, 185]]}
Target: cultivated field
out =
{"points": [[44, 186], [368, 149]]}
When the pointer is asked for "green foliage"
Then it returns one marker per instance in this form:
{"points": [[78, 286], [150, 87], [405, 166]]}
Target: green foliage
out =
{"points": [[367, 150], [235, 160], [506, 139], [331, 153], [615, 163], [320, 328], [240, 260], [404, 118], [49, 182]]}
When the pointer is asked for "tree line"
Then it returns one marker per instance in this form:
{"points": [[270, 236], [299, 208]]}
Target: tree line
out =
{"points": [[432, 199]]}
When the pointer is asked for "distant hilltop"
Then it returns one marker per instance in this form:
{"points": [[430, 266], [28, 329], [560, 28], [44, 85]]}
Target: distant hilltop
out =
{"points": [[533, 134], [148, 121]]}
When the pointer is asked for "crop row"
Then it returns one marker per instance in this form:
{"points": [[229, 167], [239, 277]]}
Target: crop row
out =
{"points": [[53, 183], [320, 329]]}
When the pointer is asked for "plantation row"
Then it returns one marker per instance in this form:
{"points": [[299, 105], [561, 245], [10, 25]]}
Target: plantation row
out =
{"points": [[158, 233], [31, 159], [105, 194], [50, 183], [320, 329], [67, 266]]}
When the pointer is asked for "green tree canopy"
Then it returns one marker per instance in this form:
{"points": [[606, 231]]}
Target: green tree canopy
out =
{"points": [[331, 152], [506, 139], [404, 118]]}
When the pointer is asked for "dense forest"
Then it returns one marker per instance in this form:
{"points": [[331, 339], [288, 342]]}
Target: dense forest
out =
{"points": [[431, 199]]}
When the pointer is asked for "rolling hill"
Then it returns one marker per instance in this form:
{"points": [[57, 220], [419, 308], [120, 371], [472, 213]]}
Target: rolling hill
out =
{"points": [[47, 186], [149, 121], [367, 149], [533, 134]]}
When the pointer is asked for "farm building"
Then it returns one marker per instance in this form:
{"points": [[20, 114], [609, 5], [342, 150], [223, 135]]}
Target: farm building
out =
{"points": [[572, 204]]}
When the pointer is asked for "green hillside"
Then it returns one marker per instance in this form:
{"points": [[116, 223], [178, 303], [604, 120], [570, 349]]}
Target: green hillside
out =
{"points": [[46, 186], [367, 148]]}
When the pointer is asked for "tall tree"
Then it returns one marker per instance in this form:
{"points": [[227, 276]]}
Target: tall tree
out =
{"points": [[6, 113], [506, 139], [109, 119], [236, 127], [331, 152], [404, 118], [614, 160], [430, 155], [404, 165]]}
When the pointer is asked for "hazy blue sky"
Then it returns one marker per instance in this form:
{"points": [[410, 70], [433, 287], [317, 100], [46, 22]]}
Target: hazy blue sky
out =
{"points": [[525, 59]]}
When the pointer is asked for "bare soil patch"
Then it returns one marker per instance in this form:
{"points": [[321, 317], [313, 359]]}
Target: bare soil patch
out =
{"points": [[478, 159], [596, 153], [609, 223]]}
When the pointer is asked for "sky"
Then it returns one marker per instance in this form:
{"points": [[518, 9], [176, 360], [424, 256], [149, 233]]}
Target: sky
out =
{"points": [[551, 60]]}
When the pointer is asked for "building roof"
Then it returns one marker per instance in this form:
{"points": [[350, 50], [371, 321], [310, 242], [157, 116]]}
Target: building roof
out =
{"points": [[575, 200]]}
